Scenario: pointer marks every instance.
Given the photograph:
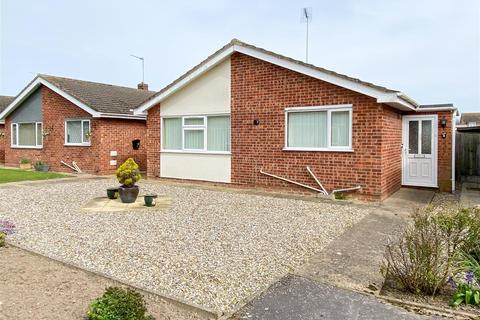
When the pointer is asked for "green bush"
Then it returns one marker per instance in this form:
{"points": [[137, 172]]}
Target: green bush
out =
{"points": [[118, 304], [24, 161], [2, 239], [128, 173], [422, 259], [466, 294], [340, 196]]}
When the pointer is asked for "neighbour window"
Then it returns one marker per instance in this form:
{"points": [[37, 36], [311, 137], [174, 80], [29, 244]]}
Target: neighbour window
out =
{"points": [[77, 132], [318, 128], [197, 133], [27, 135]]}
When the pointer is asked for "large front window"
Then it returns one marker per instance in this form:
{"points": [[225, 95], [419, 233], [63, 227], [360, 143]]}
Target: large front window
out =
{"points": [[77, 132], [319, 128], [27, 135], [196, 134]]}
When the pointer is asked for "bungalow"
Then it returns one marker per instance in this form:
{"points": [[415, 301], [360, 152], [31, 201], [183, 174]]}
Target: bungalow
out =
{"points": [[250, 117], [56, 119], [4, 102]]}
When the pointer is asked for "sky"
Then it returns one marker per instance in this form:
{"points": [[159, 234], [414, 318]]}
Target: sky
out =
{"points": [[428, 49]]}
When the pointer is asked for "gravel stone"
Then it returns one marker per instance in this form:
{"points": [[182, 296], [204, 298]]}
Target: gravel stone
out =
{"points": [[211, 248]]}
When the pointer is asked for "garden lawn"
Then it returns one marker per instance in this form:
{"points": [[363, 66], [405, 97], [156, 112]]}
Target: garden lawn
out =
{"points": [[13, 175]]}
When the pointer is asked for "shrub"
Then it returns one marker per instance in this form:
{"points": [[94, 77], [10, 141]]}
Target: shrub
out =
{"points": [[39, 163], [424, 256], [2, 239], [24, 161], [118, 304], [128, 173]]}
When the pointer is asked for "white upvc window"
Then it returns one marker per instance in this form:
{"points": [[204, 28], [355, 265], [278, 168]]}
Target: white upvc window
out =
{"points": [[319, 128], [77, 132], [27, 135], [197, 134]]}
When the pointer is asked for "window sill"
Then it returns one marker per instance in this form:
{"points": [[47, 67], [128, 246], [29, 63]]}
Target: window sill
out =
{"points": [[197, 152], [77, 145], [26, 147], [318, 149]]}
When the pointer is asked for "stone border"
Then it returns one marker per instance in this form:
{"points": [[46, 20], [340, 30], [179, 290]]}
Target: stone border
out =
{"points": [[191, 307]]}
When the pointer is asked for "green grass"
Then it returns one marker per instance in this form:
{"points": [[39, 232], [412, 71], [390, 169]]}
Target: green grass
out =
{"points": [[13, 175]]}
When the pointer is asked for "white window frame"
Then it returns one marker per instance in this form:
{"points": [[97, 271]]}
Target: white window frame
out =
{"points": [[329, 109], [194, 127], [82, 144], [18, 146]]}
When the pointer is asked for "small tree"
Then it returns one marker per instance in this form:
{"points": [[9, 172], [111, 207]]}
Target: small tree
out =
{"points": [[128, 173]]}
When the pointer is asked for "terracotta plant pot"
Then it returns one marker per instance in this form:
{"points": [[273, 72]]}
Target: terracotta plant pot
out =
{"points": [[25, 166], [128, 194]]}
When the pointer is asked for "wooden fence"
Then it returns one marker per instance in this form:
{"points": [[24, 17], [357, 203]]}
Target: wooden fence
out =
{"points": [[467, 156]]}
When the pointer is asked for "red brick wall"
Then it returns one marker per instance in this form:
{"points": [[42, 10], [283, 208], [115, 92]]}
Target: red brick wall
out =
{"points": [[117, 135], [153, 142], [391, 151], [2, 143], [261, 90], [107, 135]]}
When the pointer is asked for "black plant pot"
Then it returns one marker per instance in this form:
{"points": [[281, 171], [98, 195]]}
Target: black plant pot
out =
{"points": [[128, 194]]}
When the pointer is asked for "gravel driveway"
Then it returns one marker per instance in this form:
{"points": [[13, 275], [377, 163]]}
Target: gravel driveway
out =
{"points": [[210, 248]]}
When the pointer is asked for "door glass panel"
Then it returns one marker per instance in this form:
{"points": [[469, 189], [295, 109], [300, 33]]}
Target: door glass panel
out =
{"points": [[426, 136], [413, 137]]}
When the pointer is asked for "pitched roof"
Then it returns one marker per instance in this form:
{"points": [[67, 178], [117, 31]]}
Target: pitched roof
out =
{"points": [[467, 117], [383, 94], [5, 101], [99, 99]]}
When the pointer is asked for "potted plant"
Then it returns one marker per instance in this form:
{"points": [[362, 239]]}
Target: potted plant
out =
{"points": [[41, 166], [128, 174], [25, 164]]}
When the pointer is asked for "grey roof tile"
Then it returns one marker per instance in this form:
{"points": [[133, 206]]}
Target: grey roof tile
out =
{"points": [[5, 101], [103, 98]]}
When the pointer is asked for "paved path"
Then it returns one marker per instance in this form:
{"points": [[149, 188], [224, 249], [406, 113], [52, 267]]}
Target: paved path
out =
{"points": [[299, 298], [352, 261]]}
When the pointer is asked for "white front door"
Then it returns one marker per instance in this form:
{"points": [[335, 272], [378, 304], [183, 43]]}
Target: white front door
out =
{"points": [[419, 156]]}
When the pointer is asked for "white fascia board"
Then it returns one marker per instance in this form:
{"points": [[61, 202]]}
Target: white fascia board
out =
{"points": [[33, 86], [212, 62], [436, 109], [395, 100], [120, 116]]}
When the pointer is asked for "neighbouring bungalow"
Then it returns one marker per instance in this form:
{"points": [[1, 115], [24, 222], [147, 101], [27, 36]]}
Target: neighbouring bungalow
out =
{"points": [[56, 119], [249, 117], [4, 102], [469, 121]]}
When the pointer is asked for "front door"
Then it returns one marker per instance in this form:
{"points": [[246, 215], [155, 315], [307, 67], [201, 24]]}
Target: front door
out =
{"points": [[419, 156]]}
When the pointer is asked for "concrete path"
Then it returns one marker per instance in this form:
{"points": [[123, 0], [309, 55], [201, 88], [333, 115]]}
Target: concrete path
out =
{"points": [[470, 196], [299, 298], [352, 261]]}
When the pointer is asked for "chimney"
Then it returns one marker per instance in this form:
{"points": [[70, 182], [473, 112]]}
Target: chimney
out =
{"points": [[142, 86]]}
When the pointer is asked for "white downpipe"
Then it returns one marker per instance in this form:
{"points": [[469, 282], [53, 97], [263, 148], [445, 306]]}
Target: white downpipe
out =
{"points": [[290, 181], [76, 167], [347, 189], [318, 182], [454, 134], [66, 164]]}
